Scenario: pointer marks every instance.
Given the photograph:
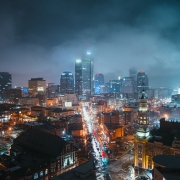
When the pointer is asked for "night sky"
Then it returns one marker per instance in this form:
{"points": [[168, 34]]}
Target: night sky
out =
{"points": [[44, 38]]}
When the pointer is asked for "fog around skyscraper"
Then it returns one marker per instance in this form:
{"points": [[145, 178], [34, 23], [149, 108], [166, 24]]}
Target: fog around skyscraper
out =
{"points": [[121, 35]]}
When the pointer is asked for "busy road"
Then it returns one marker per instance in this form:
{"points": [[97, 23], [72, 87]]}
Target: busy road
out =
{"points": [[96, 147]]}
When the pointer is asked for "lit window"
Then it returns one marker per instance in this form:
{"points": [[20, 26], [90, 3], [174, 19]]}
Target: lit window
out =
{"points": [[46, 171], [41, 174], [36, 176]]}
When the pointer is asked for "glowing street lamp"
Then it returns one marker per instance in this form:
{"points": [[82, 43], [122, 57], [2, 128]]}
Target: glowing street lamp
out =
{"points": [[166, 116]]}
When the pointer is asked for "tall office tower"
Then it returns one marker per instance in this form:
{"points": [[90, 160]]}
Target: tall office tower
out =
{"points": [[67, 83], [133, 74], [107, 87], [142, 135], [5, 83], [142, 79], [127, 85], [98, 83], [37, 86], [84, 77], [115, 86]]}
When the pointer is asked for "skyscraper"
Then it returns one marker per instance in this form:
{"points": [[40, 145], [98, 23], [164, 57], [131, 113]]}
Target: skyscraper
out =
{"points": [[98, 83], [84, 76], [67, 83], [127, 85], [133, 75], [5, 83], [115, 86], [142, 79]]}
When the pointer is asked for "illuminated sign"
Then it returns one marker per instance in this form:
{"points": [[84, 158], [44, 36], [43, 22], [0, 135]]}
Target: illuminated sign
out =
{"points": [[40, 88], [78, 60], [68, 104]]}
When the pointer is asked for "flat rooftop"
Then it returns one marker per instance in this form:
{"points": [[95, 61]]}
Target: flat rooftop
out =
{"points": [[167, 161]]}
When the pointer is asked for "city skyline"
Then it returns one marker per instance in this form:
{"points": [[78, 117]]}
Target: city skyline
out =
{"points": [[43, 39]]}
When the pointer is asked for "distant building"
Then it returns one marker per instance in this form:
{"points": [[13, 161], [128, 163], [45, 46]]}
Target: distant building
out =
{"points": [[142, 79], [60, 112], [67, 83], [163, 93], [127, 85], [166, 167], [52, 90], [129, 115], [37, 86], [98, 83], [107, 87], [170, 112], [150, 93], [5, 83], [175, 98], [12, 95], [133, 74], [32, 101], [70, 98], [84, 77], [114, 86]]}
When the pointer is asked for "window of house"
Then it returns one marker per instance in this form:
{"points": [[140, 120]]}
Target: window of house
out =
{"points": [[41, 174], [46, 171], [36, 176]]}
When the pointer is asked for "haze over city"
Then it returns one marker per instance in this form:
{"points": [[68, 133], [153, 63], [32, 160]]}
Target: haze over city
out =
{"points": [[44, 38]]}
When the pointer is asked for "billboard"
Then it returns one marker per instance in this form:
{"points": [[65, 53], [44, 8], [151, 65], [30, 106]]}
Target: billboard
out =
{"points": [[68, 104]]}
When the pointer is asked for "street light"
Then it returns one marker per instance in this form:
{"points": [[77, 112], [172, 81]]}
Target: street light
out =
{"points": [[166, 116]]}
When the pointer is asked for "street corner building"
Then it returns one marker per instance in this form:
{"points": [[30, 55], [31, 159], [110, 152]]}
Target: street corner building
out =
{"points": [[38, 155]]}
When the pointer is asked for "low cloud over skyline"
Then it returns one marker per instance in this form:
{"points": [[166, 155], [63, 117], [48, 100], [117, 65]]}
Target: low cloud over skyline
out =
{"points": [[44, 38]]}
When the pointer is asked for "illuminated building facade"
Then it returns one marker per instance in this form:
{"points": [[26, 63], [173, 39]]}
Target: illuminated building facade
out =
{"points": [[37, 86], [67, 83], [142, 79], [84, 77], [5, 83], [127, 85], [115, 86], [142, 134], [98, 83]]}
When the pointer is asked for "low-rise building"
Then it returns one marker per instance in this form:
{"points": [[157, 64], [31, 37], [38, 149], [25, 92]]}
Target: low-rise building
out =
{"points": [[33, 101], [60, 112], [84, 171], [166, 167], [39, 155]]}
